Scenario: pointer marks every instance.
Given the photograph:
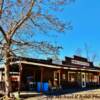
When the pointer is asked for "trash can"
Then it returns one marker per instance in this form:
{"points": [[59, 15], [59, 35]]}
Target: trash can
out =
{"points": [[45, 86], [39, 86]]}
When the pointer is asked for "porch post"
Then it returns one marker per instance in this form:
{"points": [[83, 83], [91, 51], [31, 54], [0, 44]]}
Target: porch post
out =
{"points": [[98, 78], [59, 78], [41, 79], [20, 73], [54, 77]]}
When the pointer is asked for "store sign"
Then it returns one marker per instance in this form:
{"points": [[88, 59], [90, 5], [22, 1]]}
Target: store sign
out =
{"points": [[14, 78], [80, 63]]}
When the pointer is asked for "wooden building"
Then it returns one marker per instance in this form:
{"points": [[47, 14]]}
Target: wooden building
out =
{"points": [[44, 75]]}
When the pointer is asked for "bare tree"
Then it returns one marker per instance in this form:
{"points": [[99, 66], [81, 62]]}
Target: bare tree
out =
{"points": [[94, 57], [20, 20], [87, 50], [78, 52], [91, 56]]}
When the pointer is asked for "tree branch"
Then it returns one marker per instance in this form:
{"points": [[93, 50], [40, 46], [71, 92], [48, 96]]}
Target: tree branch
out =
{"points": [[3, 33], [21, 21]]}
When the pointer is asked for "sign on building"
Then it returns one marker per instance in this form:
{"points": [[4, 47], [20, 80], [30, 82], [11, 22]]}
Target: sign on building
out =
{"points": [[80, 63]]}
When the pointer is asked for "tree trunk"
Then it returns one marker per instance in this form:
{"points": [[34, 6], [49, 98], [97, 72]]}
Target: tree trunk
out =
{"points": [[7, 72], [7, 81]]}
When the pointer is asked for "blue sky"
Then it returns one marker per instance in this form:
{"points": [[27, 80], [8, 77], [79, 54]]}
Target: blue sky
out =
{"points": [[85, 18]]}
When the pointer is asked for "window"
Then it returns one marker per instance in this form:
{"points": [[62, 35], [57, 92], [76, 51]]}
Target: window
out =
{"points": [[63, 76], [82, 75], [71, 76], [83, 83]]}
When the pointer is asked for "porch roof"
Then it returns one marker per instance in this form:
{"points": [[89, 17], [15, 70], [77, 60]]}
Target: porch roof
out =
{"points": [[66, 67]]}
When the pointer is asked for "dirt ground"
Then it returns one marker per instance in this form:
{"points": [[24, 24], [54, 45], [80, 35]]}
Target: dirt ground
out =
{"points": [[83, 95]]}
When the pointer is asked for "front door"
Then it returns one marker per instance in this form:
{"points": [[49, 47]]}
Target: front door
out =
{"points": [[57, 78], [83, 82]]}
